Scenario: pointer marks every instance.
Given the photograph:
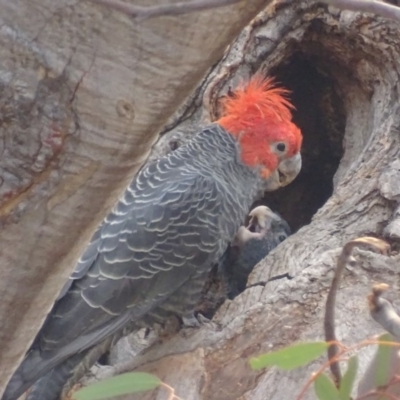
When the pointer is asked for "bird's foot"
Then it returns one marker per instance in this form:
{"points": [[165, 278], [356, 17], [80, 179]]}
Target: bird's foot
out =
{"points": [[194, 321]]}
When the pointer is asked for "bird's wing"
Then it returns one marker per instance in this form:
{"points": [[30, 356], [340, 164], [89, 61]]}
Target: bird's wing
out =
{"points": [[148, 247], [160, 235], [85, 262]]}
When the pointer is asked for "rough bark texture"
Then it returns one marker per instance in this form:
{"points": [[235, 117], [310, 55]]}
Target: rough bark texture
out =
{"points": [[343, 68], [83, 94]]}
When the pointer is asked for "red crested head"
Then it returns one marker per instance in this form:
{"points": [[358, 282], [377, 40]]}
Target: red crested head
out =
{"points": [[259, 115]]}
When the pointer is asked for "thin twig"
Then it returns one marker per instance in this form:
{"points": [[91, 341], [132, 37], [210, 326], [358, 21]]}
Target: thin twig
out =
{"points": [[376, 7], [171, 392], [141, 12], [329, 320]]}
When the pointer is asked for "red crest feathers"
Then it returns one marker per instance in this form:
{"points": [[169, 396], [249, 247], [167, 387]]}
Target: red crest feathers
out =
{"points": [[259, 114], [258, 98]]}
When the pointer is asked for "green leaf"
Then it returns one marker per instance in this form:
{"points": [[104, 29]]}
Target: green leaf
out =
{"points": [[132, 382], [325, 389], [346, 384], [290, 357], [382, 375]]}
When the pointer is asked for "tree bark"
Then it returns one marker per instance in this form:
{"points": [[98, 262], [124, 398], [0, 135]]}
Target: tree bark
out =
{"points": [[84, 93], [343, 68]]}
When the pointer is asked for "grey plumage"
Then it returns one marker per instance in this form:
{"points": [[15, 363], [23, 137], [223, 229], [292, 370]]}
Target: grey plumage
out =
{"points": [[250, 245], [150, 257]]}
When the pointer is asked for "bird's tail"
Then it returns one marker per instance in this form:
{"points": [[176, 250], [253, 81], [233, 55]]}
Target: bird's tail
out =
{"points": [[61, 379], [23, 377], [53, 383], [50, 386]]}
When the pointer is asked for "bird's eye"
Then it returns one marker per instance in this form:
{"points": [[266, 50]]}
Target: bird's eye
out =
{"points": [[281, 147], [281, 238]]}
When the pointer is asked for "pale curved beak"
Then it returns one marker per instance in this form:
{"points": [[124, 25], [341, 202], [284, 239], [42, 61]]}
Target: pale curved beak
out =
{"points": [[285, 173], [289, 169], [261, 218]]}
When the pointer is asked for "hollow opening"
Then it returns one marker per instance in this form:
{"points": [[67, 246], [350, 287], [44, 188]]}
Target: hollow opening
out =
{"points": [[321, 115]]}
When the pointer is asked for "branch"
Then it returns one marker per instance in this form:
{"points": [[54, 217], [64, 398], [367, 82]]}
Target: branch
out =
{"points": [[140, 12], [382, 311], [329, 321], [369, 6]]}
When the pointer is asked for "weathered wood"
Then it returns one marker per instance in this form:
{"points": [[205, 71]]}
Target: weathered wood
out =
{"points": [[83, 94], [360, 56]]}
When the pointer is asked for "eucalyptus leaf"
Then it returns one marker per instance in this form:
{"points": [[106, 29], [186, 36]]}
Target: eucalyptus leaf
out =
{"points": [[382, 375], [131, 382], [325, 389], [347, 382], [290, 357]]}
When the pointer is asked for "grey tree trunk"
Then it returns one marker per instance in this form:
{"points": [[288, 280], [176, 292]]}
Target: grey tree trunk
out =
{"points": [[84, 92], [343, 68]]}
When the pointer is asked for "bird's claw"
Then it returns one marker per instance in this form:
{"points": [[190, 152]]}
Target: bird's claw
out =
{"points": [[194, 321]]}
